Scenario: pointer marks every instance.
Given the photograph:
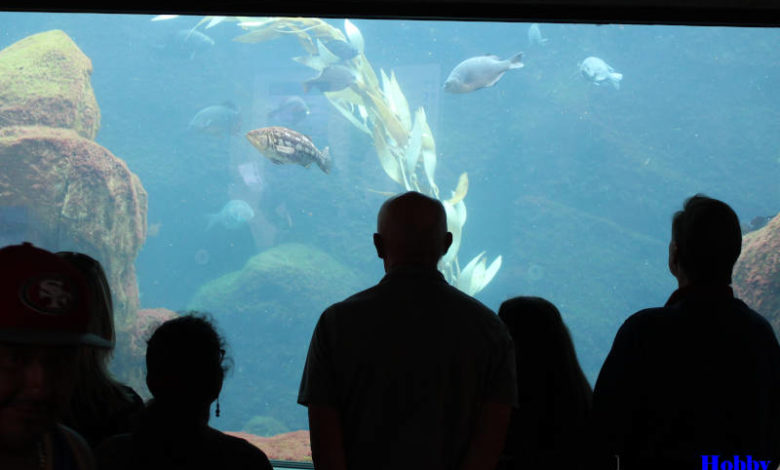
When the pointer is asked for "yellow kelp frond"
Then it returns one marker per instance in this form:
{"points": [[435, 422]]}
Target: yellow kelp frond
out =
{"points": [[429, 158], [365, 69], [412, 153], [259, 35], [386, 159], [354, 36], [396, 99], [460, 190], [455, 228], [349, 103], [391, 123]]}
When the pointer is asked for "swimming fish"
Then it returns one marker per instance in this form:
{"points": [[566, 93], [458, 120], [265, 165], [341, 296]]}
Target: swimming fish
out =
{"points": [[535, 36], [191, 43], [282, 145], [219, 120], [597, 71], [290, 111], [233, 215], [756, 223], [341, 49], [480, 72], [332, 78]]}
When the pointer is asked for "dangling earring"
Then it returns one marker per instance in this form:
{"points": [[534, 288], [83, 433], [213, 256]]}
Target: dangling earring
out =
{"points": [[217, 408]]}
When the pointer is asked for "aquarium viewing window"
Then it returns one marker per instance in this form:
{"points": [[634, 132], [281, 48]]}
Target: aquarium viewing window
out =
{"points": [[560, 152]]}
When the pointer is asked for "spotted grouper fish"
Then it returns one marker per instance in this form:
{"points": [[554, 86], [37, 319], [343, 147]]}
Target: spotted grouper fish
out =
{"points": [[282, 145]]}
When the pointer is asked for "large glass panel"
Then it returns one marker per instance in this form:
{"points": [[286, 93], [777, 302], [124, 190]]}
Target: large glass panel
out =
{"points": [[560, 177]]}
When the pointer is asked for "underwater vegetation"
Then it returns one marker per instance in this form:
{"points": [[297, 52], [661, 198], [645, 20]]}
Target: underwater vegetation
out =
{"points": [[403, 141]]}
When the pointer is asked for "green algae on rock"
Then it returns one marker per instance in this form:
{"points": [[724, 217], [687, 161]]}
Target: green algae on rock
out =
{"points": [[45, 80], [277, 283]]}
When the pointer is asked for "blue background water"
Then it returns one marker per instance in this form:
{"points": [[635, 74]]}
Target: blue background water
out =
{"points": [[573, 184]]}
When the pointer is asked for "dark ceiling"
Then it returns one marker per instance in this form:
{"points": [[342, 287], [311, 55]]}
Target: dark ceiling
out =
{"points": [[712, 12]]}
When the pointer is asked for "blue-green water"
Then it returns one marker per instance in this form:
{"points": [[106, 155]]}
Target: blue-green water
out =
{"points": [[572, 184]]}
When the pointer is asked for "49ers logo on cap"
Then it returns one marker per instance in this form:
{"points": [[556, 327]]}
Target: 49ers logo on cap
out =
{"points": [[50, 295]]}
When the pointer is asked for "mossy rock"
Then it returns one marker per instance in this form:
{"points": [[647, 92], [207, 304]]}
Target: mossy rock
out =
{"points": [[285, 284], [76, 195], [45, 81], [757, 272], [265, 426]]}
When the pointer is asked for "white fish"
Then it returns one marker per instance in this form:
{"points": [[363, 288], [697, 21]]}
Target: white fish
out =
{"points": [[232, 216], [597, 71], [480, 72], [535, 35], [164, 17]]}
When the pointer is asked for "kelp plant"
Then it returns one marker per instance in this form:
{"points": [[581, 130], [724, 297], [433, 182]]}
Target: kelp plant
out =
{"points": [[404, 144]]}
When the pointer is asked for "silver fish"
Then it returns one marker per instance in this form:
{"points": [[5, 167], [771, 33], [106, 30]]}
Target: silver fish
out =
{"points": [[282, 145], [332, 78], [597, 71], [222, 119], [342, 49], [290, 111], [480, 72]]}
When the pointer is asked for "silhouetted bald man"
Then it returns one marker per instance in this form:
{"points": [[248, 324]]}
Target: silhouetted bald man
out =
{"points": [[411, 373]]}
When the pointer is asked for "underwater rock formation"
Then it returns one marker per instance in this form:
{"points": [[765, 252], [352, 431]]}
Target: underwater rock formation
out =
{"points": [[76, 196], [265, 426], [293, 446], [270, 308], [63, 190], [280, 286], [44, 80], [757, 272]]}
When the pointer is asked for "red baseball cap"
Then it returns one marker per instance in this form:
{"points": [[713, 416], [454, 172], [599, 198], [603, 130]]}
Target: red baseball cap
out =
{"points": [[43, 299]]}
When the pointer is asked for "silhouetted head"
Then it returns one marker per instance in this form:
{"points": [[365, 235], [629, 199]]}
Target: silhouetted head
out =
{"points": [[547, 366], [411, 230], [536, 324], [706, 242], [185, 362]]}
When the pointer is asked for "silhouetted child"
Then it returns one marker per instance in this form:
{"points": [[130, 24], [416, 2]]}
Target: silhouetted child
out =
{"points": [[100, 406], [547, 429], [185, 361]]}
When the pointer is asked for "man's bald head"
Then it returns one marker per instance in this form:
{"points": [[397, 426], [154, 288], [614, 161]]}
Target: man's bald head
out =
{"points": [[412, 230]]}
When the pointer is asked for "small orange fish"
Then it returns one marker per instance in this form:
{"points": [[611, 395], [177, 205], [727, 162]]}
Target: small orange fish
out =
{"points": [[282, 145]]}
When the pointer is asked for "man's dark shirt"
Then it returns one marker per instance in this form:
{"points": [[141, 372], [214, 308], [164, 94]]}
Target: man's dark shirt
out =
{"points": [[408, 363], [699, 376]]}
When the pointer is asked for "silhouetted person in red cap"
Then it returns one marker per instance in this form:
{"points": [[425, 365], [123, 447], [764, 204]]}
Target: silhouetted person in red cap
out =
{"points": [[43, 320], [411, 373], [695, 383]]}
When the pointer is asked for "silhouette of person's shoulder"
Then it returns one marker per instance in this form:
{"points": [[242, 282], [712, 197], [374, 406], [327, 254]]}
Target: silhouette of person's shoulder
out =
{"points": [[234, 452], [239, 453]]}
